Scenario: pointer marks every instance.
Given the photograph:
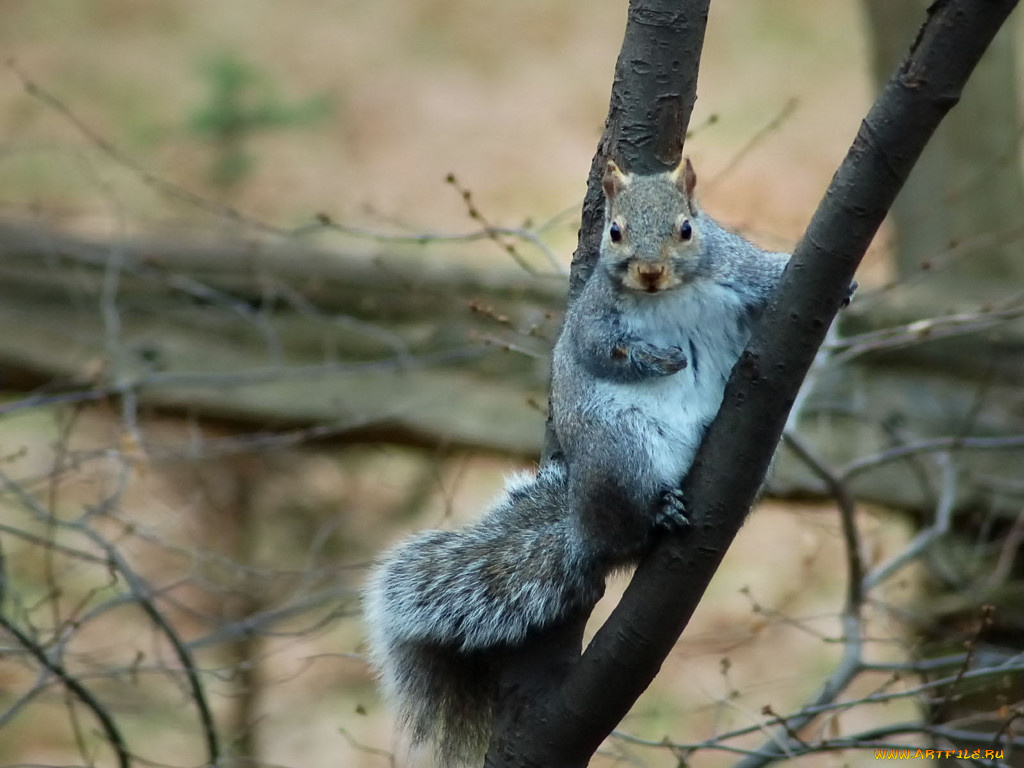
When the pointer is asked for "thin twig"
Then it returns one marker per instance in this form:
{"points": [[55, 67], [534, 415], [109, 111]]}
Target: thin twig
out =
{"points": [[80, 692], [851, 663], [770, 127], [919, 331], [943, 519], [144, 597], [320, 222], [933, 445], [839, 490], [768, 754], [938, 714]]}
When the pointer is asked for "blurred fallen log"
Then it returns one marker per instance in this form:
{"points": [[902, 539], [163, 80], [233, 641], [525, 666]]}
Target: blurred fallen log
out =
{"points": [[386, 344]]}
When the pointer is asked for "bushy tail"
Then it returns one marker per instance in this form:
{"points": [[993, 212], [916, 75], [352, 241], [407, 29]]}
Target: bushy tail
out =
{"points": [[441, 696], [442, 606]]}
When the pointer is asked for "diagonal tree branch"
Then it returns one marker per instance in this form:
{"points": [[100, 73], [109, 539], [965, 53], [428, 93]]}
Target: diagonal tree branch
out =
{"points": [[567, 725]]}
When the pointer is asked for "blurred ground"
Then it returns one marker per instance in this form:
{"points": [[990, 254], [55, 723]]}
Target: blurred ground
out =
{"points": [[510, 97]]}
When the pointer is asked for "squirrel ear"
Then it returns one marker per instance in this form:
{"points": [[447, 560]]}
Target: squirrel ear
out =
{"points": [[614, 180], [684, 177]]}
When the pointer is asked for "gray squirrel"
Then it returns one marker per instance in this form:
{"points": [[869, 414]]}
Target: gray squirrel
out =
{"points": [[638, 374]]}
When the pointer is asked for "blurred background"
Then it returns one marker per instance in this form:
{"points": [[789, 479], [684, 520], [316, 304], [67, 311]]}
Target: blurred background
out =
{"points": [[279, 281]]}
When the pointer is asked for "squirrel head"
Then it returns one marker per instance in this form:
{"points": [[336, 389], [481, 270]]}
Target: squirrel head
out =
{"points": [[651, 240]]}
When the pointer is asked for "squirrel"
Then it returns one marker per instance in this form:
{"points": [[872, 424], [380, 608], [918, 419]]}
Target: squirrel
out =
{"points": [[638, 374]]}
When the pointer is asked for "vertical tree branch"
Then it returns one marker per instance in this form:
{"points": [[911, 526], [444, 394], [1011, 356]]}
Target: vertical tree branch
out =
{"points": [[652, 98]]}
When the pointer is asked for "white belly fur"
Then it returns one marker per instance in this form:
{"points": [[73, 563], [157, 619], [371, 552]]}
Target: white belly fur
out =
{"points": [[665, 414], [672, 412]]}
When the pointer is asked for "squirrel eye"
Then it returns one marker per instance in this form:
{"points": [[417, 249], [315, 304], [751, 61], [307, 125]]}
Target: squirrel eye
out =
{"points": [[615, 232], [685, 230]]}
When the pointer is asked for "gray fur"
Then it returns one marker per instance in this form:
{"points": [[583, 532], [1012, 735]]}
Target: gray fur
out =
{"points": [[443, 605], [637, 377], [629, 432]]}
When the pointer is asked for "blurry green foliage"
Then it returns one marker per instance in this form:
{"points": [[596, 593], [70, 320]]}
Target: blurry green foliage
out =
{"points": [[242, 101]]}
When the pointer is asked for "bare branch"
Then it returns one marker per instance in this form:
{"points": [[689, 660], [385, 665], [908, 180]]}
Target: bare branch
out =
{"points": [[79, 691], [320, 222], [144, 598], [927, 537]]}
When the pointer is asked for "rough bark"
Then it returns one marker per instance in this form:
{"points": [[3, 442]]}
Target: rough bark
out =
{"points": [[653, 93]]}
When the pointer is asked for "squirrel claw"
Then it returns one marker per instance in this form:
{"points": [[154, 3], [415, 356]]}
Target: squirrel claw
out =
{"points": [[672, 511], [849, 295]]}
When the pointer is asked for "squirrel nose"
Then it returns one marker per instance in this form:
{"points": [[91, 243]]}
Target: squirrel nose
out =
{"points": [[650, 274]]}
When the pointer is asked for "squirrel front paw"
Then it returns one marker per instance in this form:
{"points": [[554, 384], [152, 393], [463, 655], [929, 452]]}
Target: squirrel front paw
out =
{"points": [[658, 361], [671, 514]]}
